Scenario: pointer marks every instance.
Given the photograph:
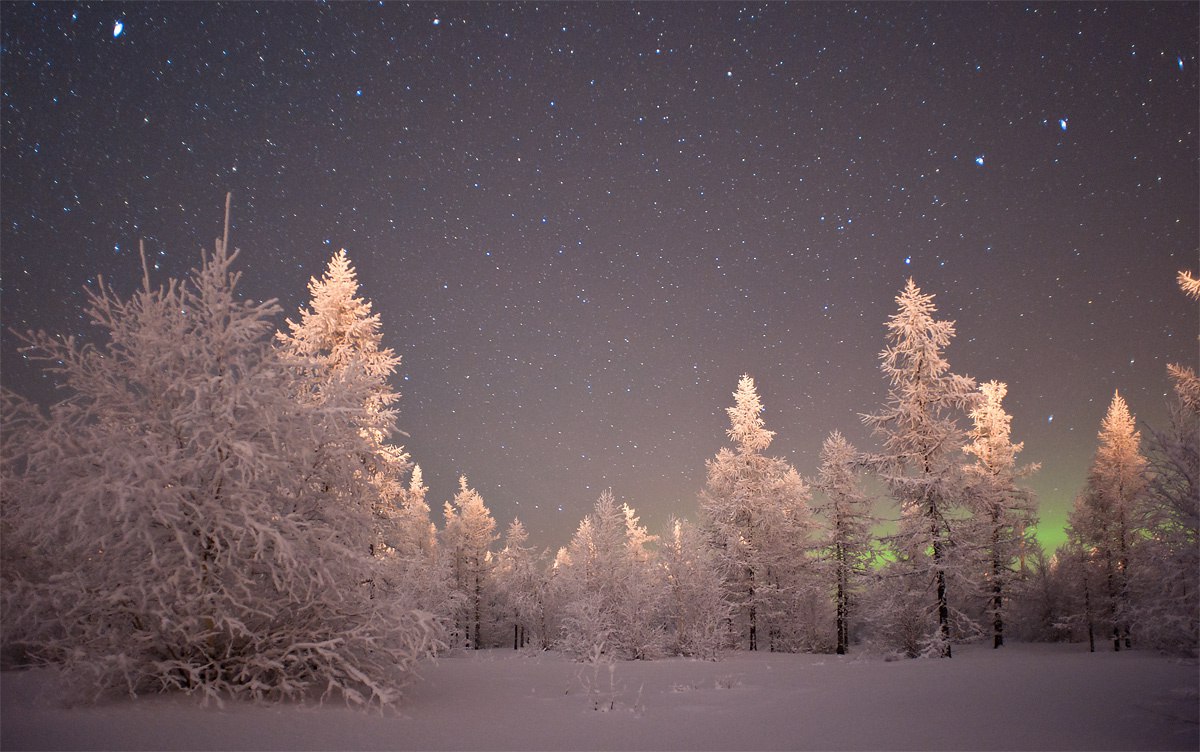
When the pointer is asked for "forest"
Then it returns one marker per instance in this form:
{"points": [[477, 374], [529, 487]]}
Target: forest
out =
{"points": [[219, 506]]}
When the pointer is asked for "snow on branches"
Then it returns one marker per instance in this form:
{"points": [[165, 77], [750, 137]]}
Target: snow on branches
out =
{"points": [[185, 522]]}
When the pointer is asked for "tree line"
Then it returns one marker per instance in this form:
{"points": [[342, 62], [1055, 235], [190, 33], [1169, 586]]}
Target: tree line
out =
{"points": [[217, 506]]}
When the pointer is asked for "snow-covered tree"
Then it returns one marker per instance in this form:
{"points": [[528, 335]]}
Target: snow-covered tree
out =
{"points": [[698, 610], [197, 527], [847, 512], [521, 584], [416, 568], [757, 518], [611, 592], [921, 459], [336, 338], [1105, 517], [1003, 520], [1166, 555], [468, 537]]}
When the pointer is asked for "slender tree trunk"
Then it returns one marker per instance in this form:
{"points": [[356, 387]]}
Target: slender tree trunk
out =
{"points": [[1087, 610], [842, 596], [940, 575], [997, 586], [478, 614], [753, 614], [1113, 597], [1123, 585]]}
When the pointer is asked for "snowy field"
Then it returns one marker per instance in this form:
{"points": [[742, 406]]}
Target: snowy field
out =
{"points": [[1023, 697]]}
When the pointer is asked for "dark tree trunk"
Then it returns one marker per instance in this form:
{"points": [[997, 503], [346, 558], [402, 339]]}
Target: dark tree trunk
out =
{"points": [[997, 586], [943, 606], [753, 614], [1087, 610], [843, 633]]}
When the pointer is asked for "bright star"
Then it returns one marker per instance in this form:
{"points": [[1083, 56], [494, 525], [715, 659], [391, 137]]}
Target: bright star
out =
{"points": [[1062, 123], [1050, 419], [1180, 61], [979, 160], [908, 260], [118, 27]]}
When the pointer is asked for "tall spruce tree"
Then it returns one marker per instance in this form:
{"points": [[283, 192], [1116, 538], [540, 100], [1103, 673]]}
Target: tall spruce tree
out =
{"points": [[338, 339], [1107, 520], [847, 512], [468, 537], [757, 517], [921, 459], [1003, 511]]}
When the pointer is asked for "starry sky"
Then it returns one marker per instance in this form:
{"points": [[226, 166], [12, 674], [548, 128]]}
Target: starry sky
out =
{"points": [[581, 222]]}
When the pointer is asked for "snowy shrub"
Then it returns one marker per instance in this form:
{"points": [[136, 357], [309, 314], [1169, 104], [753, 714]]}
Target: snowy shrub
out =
{"points": [[187, 523], [895, 614]]}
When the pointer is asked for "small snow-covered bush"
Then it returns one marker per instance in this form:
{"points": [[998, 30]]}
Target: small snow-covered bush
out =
{"points": [[182, 521]]}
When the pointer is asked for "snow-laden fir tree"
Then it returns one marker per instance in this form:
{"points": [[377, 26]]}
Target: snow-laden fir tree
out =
{"points": [[698, 611], [1105, 517], [521, 585], [756, 515], [467, 539], [1164, 588], [1166, 556], [1003, 513], [338, 337], [187, 522], [847, 513], [921, 460], [610, 592], [416, 568]]}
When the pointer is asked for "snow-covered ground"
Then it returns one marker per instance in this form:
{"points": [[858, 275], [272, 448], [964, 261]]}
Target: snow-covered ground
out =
{"points": [[1021, 697]]}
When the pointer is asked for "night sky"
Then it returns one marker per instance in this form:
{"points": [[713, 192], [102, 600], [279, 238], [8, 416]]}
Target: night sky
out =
{"points": [[580, 223]]}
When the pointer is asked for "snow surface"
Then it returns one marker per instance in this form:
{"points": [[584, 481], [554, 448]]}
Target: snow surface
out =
{"points": [[1020, 697]]}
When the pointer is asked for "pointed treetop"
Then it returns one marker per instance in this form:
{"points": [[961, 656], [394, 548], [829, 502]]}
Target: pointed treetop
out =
{"points": [[990, 441], [747, 428], [837, 461], [1119, 427], [916, 339], [516, 535], [835, 446]]}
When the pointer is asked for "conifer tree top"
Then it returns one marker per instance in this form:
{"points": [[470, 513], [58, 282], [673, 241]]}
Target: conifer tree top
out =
{"points": [[747, 428], [1119, 437]]}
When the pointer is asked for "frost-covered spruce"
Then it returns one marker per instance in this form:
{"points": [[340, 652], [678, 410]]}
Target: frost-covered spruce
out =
{"points": [[847, 543], [921, 462], [610, 592], [1000, 532], [521, 588], [467, 540], [338, 339], [757, 518], [1163, 583], [698, 610], [188, 523], [1105, 518]]}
